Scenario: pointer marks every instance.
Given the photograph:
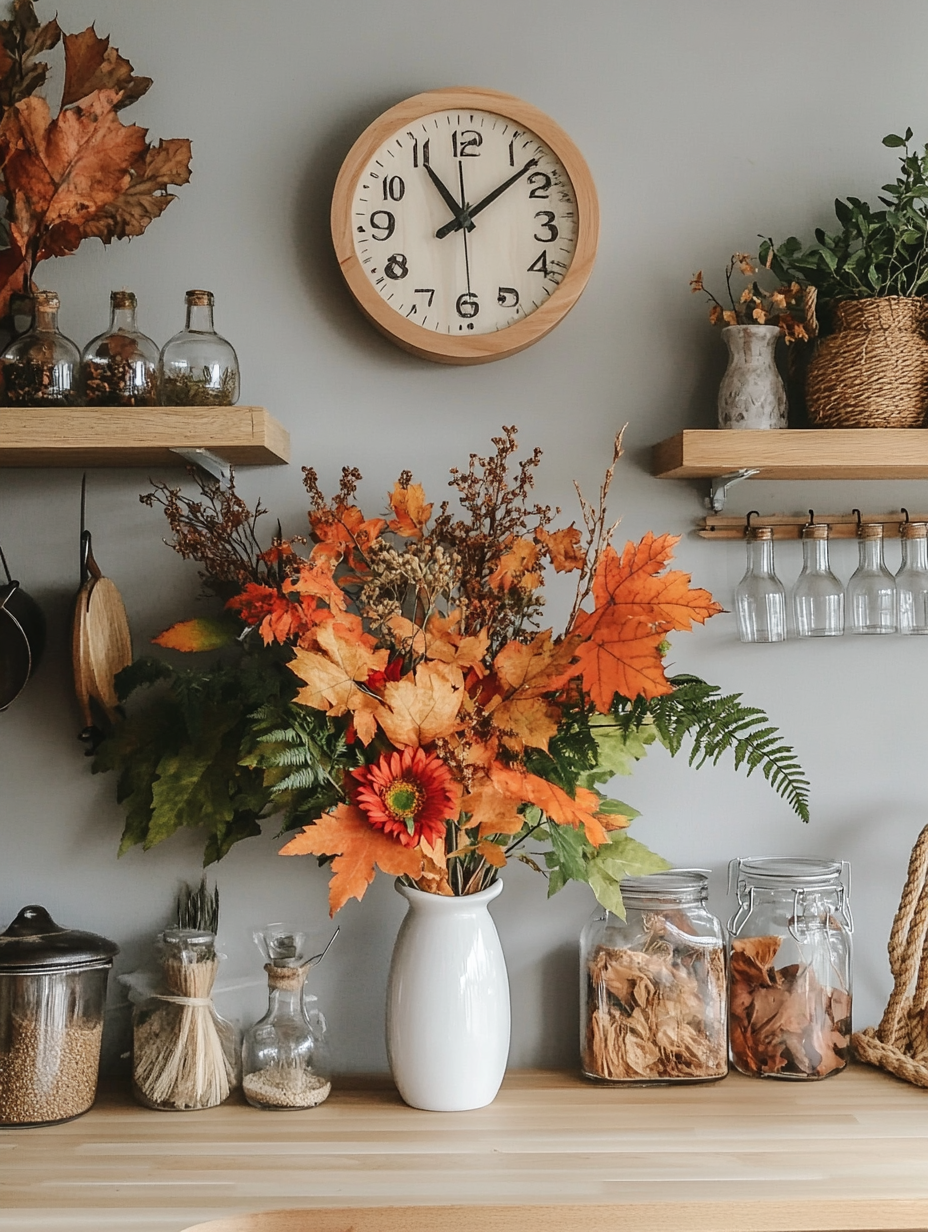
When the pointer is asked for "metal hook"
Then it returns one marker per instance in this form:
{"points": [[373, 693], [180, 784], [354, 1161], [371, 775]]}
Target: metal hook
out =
{"points": [[906, 512], [811, 521], [857, 511], [747, 521]]}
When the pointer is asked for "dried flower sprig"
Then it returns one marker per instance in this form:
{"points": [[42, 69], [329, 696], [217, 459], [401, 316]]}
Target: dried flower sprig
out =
{"points": [[756, 305]]}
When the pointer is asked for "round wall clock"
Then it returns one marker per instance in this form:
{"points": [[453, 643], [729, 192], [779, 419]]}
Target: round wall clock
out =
{"points": [[465, 222]]}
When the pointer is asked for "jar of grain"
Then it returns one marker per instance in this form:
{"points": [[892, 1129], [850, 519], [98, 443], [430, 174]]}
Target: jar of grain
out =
{"points": [[52, 997], [653, 995]]}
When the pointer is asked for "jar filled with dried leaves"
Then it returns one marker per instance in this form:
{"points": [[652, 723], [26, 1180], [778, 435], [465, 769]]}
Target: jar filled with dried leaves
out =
{"points": [[52, 997], [790, 962], [184, 1056], [198, 367], [120, 367], [653, 994], [42, 367]]}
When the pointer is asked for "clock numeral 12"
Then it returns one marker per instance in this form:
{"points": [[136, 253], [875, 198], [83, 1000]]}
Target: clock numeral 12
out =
{"points": [[466, 144]]}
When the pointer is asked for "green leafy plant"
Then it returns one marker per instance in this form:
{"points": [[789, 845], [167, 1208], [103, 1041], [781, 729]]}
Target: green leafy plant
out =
{"points": [[876, 252]]}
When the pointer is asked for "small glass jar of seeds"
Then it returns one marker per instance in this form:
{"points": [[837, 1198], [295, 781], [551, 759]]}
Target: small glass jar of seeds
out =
{"points": [[198, 367], [120, 366], [42, 367]]}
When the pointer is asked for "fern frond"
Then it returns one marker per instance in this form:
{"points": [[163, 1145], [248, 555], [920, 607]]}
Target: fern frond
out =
{"points": [[717, 723]]}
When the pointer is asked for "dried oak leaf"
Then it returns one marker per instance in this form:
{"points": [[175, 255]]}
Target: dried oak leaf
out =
{"points": [[92, 64], [359, 851], [423, 706], [636, 605], [411, 509], [562, 547]]}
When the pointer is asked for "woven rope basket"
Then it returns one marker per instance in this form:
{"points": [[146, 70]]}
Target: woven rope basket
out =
{"points": [[900, 1043], [872, 372]]}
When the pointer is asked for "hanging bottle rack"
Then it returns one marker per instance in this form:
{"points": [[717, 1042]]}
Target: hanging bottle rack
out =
{"points": [[789, 526]]}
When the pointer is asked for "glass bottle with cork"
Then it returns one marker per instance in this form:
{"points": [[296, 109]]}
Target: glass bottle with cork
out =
{"points": [[120, 367], [871, 591], [818, 596], [42, 367], [198, 367], [912, 578], [760, 598]]}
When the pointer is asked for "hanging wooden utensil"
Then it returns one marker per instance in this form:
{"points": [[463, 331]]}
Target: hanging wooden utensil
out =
{"points": [[22, 637], [101, 644]]}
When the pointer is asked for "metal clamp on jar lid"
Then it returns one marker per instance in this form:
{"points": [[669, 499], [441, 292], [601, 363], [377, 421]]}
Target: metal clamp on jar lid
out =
{"points": [[801, 874]]}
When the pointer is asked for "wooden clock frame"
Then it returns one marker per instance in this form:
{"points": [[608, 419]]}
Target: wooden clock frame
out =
{"points": [[479, 348]]}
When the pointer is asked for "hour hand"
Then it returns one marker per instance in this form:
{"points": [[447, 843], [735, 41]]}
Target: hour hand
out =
{"points": [[461, 219]]}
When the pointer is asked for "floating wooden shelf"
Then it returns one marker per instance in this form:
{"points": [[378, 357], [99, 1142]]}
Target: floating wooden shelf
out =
{"points": [[861, 453], [149, 436]]}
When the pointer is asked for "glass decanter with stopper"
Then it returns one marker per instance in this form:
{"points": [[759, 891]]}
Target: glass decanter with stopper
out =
{"points": [[42, 367], [871, 591], [120, 366], [818, 596], [198, 367], [760, 598], [284, 1055], [912, 579]]}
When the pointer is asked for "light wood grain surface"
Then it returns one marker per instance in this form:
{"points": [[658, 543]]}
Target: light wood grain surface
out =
{"points": [[113, 436], [552, 1153], [792, 453]]}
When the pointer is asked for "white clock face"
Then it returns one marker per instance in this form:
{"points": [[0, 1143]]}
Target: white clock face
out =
{"points": [[464, 222]]}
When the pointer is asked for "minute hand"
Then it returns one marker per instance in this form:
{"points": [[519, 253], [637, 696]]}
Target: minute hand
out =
{"points": [[457, 223]]}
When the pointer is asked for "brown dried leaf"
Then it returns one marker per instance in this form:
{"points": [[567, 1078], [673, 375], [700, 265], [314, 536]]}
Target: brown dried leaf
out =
{"points": [[92, 64]]}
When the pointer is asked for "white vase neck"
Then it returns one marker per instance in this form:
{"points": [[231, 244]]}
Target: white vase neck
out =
{"points": [[422, 901]]}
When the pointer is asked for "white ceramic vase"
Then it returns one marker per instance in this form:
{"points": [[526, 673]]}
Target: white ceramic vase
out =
{"points": [[752, 394], [448, 1002]]}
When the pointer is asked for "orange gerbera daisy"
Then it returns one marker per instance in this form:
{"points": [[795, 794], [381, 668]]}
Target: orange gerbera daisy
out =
{"points": [[408, 795]]}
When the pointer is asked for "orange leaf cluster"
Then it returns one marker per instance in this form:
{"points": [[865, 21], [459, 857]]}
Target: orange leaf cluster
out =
{"points": [[81, 173]]}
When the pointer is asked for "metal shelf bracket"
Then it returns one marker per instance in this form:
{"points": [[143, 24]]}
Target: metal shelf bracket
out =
{"points": [[211, 462], [718, 487]]}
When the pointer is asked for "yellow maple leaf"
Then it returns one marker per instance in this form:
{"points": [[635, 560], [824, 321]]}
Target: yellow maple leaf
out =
{"points": [[359, 851], [422, 706], [332, 676]]}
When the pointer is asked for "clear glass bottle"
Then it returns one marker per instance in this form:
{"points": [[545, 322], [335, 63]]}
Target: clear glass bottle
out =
{"points": [[790, 968], [760, 598], [284, 1055], [653, 996], [42, 367], [871, 591], [184, 1056], [912, 579], [198, 367], [818, 596], [120, 366]]}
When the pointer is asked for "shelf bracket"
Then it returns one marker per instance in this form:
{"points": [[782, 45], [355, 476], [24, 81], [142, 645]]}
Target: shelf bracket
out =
{"points": [[718, 487], [211, 462]]}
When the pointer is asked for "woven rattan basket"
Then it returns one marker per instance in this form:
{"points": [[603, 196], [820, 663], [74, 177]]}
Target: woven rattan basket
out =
{"points": [[872, 372]]}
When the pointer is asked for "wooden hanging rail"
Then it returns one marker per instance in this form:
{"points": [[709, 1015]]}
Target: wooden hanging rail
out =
{"points": [[788, 526]]}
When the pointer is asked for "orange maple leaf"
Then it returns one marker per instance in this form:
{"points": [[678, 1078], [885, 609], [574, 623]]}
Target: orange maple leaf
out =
{"points": [[636, 605], [192, 635], [524, 673], [516, 566], [344, 533], [422, 706], [316, 579], [332, 676], [562, 548], [553, 801], [359, 851], [412, 511]]}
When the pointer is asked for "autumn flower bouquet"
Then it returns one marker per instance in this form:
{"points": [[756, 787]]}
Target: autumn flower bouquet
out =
{"points": [[384, 686], [784, 306]]}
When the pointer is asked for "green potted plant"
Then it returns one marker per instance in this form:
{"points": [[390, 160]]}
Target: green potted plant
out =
{"points": [[870, 368]]}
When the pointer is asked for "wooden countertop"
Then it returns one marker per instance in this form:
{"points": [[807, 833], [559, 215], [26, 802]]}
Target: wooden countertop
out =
{"points": [[740, 1155]]}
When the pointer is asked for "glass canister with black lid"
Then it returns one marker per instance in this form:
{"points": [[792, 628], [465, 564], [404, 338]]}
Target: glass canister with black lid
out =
{"points": [[653, 995], [52, 998], [790, 967]]}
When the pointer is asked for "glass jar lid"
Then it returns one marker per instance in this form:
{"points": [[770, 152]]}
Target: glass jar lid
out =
{"points": [[675, 887], [34, 942], [776, 872]]}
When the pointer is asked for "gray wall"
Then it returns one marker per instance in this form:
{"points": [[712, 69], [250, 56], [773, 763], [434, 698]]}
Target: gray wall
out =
{"points": [[703, 123]]}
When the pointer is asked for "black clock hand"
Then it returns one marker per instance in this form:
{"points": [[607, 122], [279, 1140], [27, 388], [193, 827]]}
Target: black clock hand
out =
{"points": [[464, 228], [460, 217], [468, 215]]}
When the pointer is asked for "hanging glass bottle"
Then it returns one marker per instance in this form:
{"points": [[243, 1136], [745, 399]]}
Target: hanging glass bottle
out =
{"points": [[818, 596], [871, 591], [284, 1056], [198, 367], [760, 599], [912, 579], [42, 367], [120, 366]]}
